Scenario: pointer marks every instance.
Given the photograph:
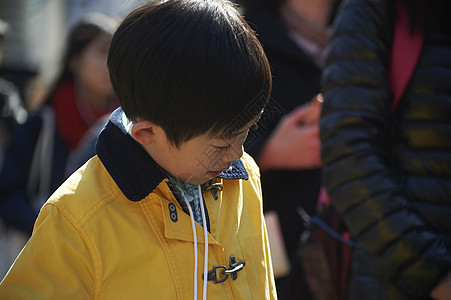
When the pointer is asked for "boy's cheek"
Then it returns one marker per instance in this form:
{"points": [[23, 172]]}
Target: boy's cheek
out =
{"points": [[208, 159]]}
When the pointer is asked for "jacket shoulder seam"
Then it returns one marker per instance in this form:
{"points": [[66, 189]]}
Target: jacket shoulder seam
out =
{"points": [[80, 228]]}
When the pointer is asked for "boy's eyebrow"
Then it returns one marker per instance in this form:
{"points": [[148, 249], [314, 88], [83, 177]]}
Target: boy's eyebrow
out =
{"points": [[255, 121], [231, 135], [236, 133]]}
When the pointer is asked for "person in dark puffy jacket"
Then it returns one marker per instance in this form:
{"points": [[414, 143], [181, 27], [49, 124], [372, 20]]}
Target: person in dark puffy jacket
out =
{"points": [[389, 175]]}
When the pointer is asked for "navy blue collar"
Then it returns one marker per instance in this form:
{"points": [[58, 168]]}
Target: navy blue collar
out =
{"points": [[132, 168]]}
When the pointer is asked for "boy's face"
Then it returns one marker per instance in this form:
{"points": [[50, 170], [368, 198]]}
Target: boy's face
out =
{"points": [[199, 159]]}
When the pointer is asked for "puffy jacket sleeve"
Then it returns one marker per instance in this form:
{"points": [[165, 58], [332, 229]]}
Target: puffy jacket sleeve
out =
{"points": [[354, 135], [55, 264]]}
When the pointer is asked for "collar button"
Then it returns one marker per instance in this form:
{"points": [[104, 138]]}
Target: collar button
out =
{"points": [[173, 212]]}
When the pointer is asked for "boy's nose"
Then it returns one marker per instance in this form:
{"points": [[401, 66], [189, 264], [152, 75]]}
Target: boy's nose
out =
{"points": [[234, 153]]}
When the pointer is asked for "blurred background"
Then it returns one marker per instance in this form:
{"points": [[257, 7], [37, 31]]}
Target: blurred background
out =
{"points": [[35, 32]]}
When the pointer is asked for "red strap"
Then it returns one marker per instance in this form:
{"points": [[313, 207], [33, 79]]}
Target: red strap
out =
{"points": [[405, 54]]}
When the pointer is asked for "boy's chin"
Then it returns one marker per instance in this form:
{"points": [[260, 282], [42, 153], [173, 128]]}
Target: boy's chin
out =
{"points": [[195, 180], [198, 181], [198, 178], [201, 179]]}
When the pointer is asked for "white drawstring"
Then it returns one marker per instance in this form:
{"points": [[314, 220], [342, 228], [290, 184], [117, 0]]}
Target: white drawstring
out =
{"points": [[204, 222], [193, 226]]}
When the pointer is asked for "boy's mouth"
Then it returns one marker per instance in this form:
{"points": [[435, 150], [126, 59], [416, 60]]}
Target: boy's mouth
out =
{"points": [[214, 174]]}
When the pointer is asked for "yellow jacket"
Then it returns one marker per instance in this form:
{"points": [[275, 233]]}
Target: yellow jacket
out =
{"points": [[93, 240]]}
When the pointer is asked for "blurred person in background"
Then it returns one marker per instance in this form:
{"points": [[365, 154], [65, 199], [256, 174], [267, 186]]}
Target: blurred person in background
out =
{"points": [[294, 35], [36, 157], [12, 110], [388, 171]]}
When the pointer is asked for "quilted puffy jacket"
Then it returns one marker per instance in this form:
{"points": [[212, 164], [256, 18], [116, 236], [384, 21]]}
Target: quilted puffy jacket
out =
{"points": [[389, 175]]}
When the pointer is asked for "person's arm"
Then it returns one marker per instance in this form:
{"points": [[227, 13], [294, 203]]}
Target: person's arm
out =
{"points": [[355, 152], [56, 263], [443, 290]]}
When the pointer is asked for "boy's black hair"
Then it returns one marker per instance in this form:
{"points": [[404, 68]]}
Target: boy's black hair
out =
{"points": [[190, 66]]}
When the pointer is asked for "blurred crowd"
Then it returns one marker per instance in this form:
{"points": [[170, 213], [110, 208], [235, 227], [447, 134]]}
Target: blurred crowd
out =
{"points": [[330, 139], [48, 127]]}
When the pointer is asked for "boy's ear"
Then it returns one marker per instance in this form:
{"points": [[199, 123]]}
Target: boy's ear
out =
{"points": [[144, 131]]}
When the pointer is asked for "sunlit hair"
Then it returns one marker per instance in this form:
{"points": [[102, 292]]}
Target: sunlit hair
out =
{"points": [[191, 66]]}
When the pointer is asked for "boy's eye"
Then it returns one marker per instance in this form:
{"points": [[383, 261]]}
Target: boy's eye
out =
{"points": [[225, 148]]}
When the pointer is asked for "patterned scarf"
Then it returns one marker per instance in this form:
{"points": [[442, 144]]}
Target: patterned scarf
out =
{"points": [[190, 192]]}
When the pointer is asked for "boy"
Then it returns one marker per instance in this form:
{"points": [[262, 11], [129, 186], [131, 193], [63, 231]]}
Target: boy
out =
{"points": [[192, 79]]}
